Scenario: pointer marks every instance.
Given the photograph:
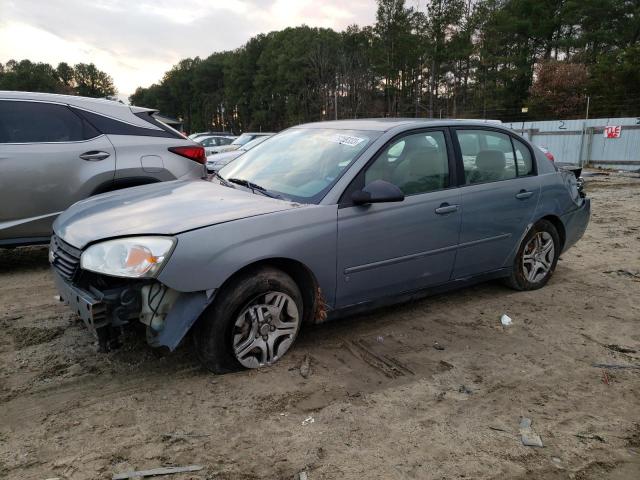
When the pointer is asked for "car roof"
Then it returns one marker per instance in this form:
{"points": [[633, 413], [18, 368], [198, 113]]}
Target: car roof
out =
{"points": [[386, 124], [103, 106], [86, 102]]}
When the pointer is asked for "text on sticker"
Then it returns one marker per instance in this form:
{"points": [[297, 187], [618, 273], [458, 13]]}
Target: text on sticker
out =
{"points": [[346, 140]]}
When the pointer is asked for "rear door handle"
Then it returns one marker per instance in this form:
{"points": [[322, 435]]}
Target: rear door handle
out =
{"points": [[94, 156], [446, 208], [523, 194]]}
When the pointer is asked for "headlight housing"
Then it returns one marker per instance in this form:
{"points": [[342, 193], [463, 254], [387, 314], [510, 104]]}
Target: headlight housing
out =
{"points": [[132, 257]]}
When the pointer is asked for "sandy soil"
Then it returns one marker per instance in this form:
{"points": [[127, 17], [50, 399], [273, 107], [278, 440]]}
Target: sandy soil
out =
{"points": [[428, 390]]}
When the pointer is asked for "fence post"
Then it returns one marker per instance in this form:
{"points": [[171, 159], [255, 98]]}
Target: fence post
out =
{"points": [[589, 145], [581, 145]]}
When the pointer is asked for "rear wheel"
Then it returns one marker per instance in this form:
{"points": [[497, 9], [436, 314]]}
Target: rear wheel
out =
{"points": [[252, 323], [537, 257]]}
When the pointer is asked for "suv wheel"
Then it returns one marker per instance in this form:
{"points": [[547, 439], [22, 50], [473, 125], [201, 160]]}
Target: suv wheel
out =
{"points": [[536, 258], [252, 323]]}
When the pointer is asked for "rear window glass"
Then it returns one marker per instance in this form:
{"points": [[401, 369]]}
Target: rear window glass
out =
{"points": [[524, 162], [487, 156], [34, 122]]}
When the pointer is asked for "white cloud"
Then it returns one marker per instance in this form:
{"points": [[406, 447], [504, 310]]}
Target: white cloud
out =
{"points": [[136, 42]]}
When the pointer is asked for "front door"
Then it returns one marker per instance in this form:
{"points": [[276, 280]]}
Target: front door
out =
{"points": [[391, 248]]}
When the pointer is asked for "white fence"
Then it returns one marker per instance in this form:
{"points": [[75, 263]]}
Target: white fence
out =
{"points": [[583, 142]]}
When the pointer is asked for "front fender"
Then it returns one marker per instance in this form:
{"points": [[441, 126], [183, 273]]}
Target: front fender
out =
{"points": [[205, 258]]}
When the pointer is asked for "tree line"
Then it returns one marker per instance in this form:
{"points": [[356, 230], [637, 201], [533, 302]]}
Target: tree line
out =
{"points": [[511, 60], [504, 59], [81, 79]]}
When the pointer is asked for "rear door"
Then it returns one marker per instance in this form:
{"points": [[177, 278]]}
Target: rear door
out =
{"points": [[49, 159], [498, 199]]}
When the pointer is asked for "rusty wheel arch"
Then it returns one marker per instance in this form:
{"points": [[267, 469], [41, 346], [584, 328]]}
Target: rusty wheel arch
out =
{"points": [[315, 306]]}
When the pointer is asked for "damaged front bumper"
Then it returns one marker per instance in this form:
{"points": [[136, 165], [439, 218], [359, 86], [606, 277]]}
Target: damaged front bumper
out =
{"points": [[105, 305]]}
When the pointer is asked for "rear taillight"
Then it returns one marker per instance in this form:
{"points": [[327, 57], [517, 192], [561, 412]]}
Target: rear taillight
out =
{"points": [[194, 153], [550, 156]]}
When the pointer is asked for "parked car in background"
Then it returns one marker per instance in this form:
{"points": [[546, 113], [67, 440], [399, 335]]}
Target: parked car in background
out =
{"points": [[243, 140], [547, 153], [58, 149], [212, 143], [193, 136], [216, 162], [322, 220]]}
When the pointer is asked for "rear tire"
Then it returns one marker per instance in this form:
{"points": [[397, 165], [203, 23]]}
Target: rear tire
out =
{"points": [[252, 323], [536, 259]]}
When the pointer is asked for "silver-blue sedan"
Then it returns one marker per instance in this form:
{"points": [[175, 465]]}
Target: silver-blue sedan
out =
{"points": [[323, 220]]}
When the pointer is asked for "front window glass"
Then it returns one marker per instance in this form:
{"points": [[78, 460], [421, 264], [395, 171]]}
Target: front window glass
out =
{"points": [[300, 163], [416, 163]]}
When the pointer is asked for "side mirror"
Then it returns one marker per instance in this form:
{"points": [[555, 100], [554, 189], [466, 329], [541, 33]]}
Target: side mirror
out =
{"points": [[378, 191]]}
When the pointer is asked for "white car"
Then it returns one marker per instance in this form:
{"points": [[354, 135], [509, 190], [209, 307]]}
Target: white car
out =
{"points": [[195, 136], [214, 143], [243, 140], [217, 161]]}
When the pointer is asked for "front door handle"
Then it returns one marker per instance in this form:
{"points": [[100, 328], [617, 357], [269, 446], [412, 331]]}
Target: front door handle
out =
{"points": [[94, 156], [446, 208], [523, 194]]}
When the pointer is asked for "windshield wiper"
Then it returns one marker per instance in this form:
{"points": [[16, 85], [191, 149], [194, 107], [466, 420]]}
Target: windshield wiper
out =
{"points": [[222, 180], [253, 187]]}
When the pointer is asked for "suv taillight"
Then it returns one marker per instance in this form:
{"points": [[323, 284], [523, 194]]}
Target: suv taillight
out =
{"points": [[550, 156], [194, 153]]}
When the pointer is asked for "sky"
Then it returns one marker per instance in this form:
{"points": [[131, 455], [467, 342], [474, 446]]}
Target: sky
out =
{"points": [[136, 41]]}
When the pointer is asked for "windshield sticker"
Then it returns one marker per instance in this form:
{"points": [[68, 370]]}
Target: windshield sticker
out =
{"points": [[346, 140]]}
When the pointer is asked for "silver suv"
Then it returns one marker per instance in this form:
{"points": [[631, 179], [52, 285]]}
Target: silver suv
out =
{"points": [[58, 149]]}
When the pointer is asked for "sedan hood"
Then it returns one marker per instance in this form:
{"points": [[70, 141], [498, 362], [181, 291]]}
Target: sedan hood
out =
{"points": [[164, 208]]}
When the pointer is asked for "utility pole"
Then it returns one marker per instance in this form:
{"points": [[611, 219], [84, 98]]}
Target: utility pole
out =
{"points": [[335, 97], [588, 101]]}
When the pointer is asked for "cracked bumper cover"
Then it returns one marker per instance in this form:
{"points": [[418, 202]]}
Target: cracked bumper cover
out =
{"points": [[96, 313], [576, 223]]}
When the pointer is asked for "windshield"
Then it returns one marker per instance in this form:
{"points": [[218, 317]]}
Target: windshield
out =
{"points": [[256, 141], [242, 139], [300, 164]]}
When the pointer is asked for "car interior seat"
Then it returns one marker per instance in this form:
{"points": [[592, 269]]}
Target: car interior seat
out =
{"points": [[490, 167], [423, 168]]}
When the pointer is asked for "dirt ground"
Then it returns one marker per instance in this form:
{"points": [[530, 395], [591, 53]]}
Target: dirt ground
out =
{"points": [[433, 389]]}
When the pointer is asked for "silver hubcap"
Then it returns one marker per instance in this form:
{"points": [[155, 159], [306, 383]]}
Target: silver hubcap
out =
{"points": [[538, 256], [265, 329]]}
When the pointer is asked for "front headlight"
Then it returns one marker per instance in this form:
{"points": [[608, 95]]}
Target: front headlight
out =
{"points": [[135, 257]]}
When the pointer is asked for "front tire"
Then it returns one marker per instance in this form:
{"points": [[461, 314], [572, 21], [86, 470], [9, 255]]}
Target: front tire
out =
{"points": [[252, 323], [536, 259]]}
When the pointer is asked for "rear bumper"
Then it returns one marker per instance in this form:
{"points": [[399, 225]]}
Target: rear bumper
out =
{"points": [[575, 223]]}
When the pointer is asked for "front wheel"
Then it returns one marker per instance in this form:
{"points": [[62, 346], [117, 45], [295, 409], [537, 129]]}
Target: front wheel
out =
{"points": [[537, 257], [252, 323]]}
